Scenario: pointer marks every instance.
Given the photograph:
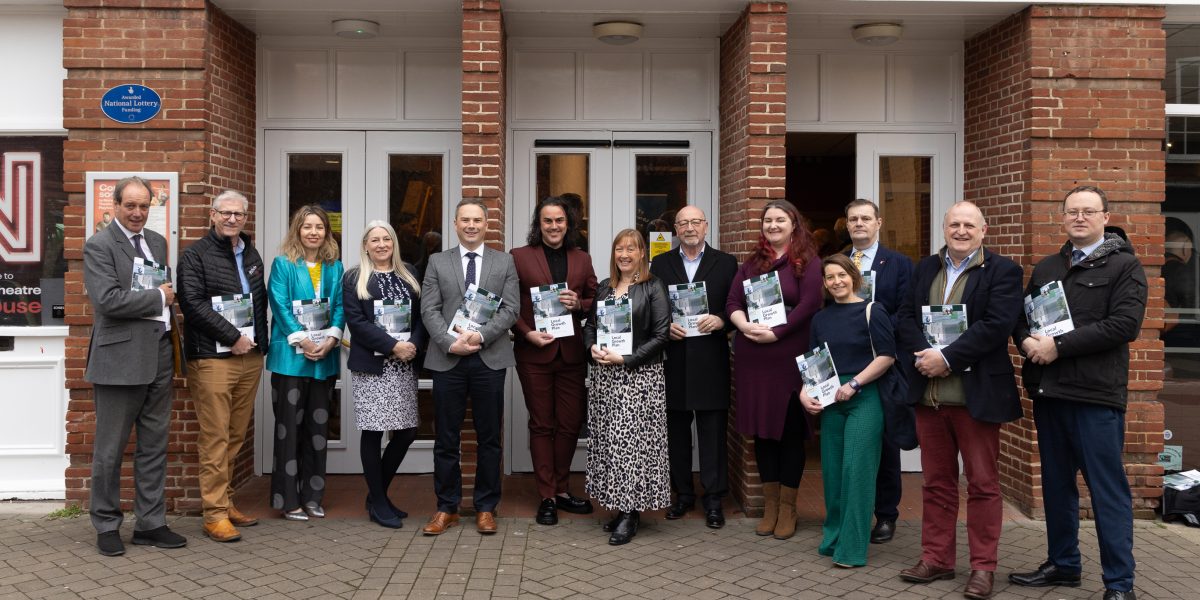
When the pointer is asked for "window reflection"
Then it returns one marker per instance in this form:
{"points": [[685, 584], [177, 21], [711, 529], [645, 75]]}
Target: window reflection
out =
{"points": [[661, 191], [906, 194], [1180, 395]]}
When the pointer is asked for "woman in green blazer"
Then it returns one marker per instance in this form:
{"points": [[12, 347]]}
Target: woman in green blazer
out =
{"points": [[306, 327]]}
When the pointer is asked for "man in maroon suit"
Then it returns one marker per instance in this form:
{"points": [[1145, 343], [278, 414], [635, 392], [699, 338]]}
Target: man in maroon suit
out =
{"points": [[552, 366]]}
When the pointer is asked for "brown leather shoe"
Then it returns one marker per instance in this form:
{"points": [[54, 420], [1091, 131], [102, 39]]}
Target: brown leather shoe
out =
{"points": [[222, 531], [440, 522], [485, 523], [979, 586], [926, 573], [240, 518]]}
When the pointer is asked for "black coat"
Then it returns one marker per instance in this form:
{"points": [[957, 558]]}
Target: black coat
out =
{"points": [[367, 338], [993, 298], [697, 369], [1106, 294], [207, 268], [651, 321]]}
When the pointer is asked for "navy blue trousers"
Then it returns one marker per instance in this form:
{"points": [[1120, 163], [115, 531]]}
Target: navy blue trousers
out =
{"points": [[469, 381], [1073, 437]]}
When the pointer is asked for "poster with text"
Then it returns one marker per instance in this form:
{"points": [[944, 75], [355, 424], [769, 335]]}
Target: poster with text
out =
{"points": [[164, 205]]}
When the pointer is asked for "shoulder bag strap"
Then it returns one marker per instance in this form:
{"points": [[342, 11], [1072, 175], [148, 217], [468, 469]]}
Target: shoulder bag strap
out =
{"points": [[869, 304]]}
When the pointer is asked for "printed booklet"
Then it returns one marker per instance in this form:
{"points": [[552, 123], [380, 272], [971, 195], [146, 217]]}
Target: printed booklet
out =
{"points": [[549, 314], [943, 323], [867, 292], [689, 304], [614, 325], [478, 307], [1047, 311], [238, 309], [148, 275], [313, 316], [394, 317], [820, 376], [764, 299]]}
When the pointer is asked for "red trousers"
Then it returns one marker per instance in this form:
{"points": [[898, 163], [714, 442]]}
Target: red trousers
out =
{"points": [[557, 403]]}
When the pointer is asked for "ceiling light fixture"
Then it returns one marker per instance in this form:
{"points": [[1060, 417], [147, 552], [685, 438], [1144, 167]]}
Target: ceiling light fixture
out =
{"points": [[355, 29], [617, 33], [877, 34]]}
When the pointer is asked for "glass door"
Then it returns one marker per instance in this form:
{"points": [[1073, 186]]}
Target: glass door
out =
{"points": [[403, 178], [622, 180]]}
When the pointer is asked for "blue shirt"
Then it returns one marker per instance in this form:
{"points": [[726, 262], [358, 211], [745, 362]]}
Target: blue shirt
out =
{"points": [[690, 265], [868, 257], [238, 251], [953, 272], [1088, 250]]}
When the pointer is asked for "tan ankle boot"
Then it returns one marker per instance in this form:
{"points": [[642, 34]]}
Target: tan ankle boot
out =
{"points": [[785, 527], [771, 512]]}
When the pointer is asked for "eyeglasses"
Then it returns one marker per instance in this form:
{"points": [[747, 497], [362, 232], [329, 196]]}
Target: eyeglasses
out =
{"points": [[1086, 213], [692, 222], [230, 214]]}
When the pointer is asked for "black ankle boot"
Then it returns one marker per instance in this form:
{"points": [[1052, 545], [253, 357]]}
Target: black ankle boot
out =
{"points": [[611, 525], [626, 528]]}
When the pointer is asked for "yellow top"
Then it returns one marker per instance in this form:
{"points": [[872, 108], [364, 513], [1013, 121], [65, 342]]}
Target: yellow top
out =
{"points": [[314, 273]]}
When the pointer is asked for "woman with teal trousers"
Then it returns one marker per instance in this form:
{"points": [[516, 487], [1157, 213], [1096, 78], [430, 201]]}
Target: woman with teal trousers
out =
{"points": [[306, 327], [863, 347]]}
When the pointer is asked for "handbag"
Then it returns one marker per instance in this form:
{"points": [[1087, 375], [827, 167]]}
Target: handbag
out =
{"points": [[899, 417]]}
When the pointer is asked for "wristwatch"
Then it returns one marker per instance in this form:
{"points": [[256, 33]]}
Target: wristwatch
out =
{"points": [[854, 385]]}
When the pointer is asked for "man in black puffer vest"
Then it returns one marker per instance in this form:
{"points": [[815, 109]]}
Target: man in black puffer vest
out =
{"points": [[225, 345]]}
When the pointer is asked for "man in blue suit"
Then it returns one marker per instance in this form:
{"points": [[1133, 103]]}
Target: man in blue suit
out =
{"points": [[892, 272]]}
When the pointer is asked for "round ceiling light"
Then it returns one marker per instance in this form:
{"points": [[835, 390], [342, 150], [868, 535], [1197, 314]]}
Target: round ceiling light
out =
{"points": [[355, 29], [617, 33], [877, 34]]}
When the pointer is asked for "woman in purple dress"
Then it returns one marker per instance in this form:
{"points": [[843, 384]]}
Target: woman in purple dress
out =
{"points": [[765, 374]]}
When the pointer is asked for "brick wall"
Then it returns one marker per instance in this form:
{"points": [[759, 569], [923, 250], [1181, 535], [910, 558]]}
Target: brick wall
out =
{"points": [[483, 140], [753, 72], [202, 64], [1058, 96]]}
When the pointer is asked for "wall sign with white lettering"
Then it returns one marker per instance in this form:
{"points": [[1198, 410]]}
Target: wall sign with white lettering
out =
{"points": [[131, 103]]}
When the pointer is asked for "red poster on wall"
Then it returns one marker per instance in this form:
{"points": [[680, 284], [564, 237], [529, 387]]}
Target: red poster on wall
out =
{"points": [[164, 200]]}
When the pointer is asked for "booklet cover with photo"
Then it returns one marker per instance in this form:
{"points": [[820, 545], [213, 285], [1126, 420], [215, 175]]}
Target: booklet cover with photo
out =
{"points": [[867, 292], [147, 275], [614, 325], [238, 309], [820, 376], [478, 307], [549, 314], [313, 315], [394, 317], [764, 299], [689, 304], [1047, 311], [943, 323]]}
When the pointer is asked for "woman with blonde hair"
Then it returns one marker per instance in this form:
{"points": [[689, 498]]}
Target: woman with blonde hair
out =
{"points": [[383, 361], [627, 469], [306, 326]]}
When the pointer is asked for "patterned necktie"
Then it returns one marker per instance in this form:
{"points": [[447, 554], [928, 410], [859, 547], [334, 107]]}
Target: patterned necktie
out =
{"points": [[471, 268], [137, 246], [1077, 257], [858, 256]]}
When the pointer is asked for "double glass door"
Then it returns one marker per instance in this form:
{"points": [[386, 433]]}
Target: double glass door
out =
{"points": [[620, 180], [403, 178]]}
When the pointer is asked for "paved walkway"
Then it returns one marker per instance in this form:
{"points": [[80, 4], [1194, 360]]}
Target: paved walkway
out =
{"points": [[352, 558]]}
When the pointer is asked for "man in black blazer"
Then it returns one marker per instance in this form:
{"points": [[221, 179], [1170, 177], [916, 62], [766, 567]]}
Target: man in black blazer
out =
{"points": [[892, 272], [697, 369], [130, 365], [964, 388]]}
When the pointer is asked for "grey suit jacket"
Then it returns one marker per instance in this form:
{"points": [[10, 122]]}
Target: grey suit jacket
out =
{"points": [[442, 294], [124, 344]]}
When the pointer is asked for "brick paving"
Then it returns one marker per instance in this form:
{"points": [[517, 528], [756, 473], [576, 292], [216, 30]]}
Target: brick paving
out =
{"points": [[352, 558]]}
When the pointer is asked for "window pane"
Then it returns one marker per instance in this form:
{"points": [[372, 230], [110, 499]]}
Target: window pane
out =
{"points": [[31, 264], [905, 192], [566, 175], [1180, 395], [1182, 81], [661, 192], [317, 179]]}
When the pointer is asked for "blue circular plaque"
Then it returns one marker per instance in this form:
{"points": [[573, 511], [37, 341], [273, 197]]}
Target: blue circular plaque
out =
{"points": [[131, 103]]}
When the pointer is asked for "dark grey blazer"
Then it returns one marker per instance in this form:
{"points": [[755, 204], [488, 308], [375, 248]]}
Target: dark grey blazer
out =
{"points": [[442, 293], [124, 344]]}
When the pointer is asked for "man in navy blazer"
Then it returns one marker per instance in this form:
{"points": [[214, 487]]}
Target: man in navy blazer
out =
{"points": [[964, 390], [892, 272]]}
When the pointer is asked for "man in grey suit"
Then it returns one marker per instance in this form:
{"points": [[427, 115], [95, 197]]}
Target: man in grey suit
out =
{"points": [[130, 364], [468, 363]]}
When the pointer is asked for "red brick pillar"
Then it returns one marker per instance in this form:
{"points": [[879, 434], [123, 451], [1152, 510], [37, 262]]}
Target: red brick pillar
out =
{"points": [[1058, 96], [202, 64], [753, 98], [483, 139]]}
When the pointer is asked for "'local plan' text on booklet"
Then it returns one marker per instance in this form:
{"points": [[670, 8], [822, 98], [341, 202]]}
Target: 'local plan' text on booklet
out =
{"points": [[943, 323], [689, 304], [820, 376], [764, 299], [238, 309], [1047, 311], [394, 317], [614, 325], [549, 314], [478, 307], [867, 291], [313, 315], [148, 275]]}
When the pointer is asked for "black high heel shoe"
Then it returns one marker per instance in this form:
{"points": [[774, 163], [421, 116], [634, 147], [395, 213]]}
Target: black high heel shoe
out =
{"points": [[392, 522], [626, 528]]}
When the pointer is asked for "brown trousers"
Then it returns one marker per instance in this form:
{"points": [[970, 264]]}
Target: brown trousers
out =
{"points": [[223, 392]]}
